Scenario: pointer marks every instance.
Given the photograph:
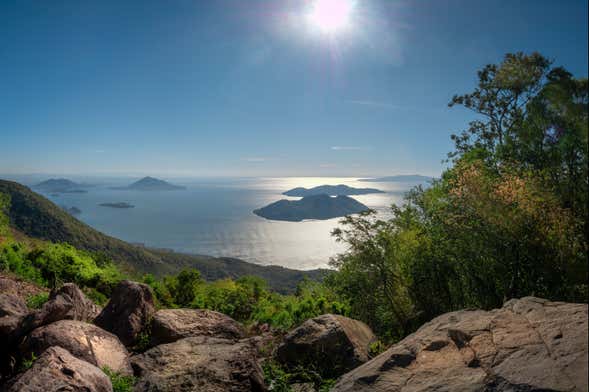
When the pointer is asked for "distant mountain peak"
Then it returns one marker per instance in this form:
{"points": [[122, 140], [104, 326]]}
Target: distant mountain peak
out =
{"points": [[149, 183], [59, 185]]}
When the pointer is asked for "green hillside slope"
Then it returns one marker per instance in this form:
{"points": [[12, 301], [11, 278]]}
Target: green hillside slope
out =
{"points": [[37, 217]]}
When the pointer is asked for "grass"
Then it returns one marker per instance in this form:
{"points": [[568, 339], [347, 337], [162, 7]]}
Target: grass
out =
{"points": [[37, 300], [120, 383]]}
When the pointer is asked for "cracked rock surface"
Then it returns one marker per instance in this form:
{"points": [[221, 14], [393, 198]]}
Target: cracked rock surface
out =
{"points": [[530, 344]]}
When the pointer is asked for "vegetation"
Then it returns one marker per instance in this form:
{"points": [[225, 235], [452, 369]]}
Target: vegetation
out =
{"points": [[36, 301], [36, 217], [120, 383], [247, 299], [508, 219], [280, 380]]}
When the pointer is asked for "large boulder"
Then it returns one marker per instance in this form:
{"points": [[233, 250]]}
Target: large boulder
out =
{"points": [[82, 308], [528, 345], [199, 364], [84, 341], [58, 370], [332, 344], [169, 325], [128, 312], [12, 305], [67, 302]]}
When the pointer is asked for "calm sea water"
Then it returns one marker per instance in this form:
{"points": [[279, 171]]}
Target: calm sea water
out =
{"points": [[214, 217]]}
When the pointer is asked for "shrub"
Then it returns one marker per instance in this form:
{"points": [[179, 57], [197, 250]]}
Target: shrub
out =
{"points": [[36, 301]]}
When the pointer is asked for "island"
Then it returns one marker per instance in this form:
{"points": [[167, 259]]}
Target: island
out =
{"points": [[120, 204], [150, 184], [311, 207], [399, 178], [331, 190], [59, 185]]}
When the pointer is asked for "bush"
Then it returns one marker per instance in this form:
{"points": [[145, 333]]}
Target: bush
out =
{"points": [[36, 301], [120, 383]]}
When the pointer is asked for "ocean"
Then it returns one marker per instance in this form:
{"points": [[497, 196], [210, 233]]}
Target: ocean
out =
{"points": [[214, 217]]}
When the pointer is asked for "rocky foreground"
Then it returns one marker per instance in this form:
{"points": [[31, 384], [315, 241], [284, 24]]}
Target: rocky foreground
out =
{"points": [[528, 345]]}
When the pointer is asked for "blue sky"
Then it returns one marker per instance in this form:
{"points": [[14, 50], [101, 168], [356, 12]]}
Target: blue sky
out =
{"points": [[215, 88]]}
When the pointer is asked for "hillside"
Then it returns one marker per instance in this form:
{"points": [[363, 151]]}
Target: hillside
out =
{"points": [[37, 217]]}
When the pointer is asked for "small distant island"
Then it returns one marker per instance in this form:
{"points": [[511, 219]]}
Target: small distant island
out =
{"points": [[121, 204], [60, 185], [331, 190], [150, 184], [399, 178], [311, 207]]}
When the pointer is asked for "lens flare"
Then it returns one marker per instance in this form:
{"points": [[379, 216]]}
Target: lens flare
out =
{"points": [[331, 16]]}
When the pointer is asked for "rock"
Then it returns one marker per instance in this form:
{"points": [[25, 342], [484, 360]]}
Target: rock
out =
{"points": [[199, 364], [58, 370], [84, 341], [129, 310], [66, 303], [12, 305], [169, 325], [82, 307], [303, 387], [331, 343], [13, 285], [528, 345]]}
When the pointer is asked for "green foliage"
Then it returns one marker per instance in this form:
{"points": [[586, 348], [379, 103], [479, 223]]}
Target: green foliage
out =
{"points": [[120, 383], [280, 380], [509, 219], [4, 221], [28, 363], [275, 377], [36, 301], [50, 265]]}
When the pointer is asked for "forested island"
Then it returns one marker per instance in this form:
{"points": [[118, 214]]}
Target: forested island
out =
{"points": [[311, 207], [150, 184], [331, 190], [59, 185]]}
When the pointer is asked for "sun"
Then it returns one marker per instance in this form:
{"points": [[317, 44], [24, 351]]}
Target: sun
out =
{"points": [[331, 16]]}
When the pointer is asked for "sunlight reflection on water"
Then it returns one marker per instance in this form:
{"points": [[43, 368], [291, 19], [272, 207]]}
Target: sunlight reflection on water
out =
{"points": [[214, 217]]}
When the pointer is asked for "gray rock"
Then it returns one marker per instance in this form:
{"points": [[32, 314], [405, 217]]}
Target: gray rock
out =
{"points": [[11, 305], [528, 345], [82, 308], [332, 344], [84, 341], [128, 312], [199, 364], [169, 325], [68, 302], [58, 370]]}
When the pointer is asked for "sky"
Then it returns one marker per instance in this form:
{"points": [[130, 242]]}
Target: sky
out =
{"points": [[255, 88]]}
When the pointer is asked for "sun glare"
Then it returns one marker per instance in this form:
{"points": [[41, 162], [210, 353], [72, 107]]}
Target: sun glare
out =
{"points": [[331, 16]]}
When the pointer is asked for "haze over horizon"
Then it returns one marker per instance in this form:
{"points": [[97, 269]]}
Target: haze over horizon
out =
{"points": [[259, 88]]}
